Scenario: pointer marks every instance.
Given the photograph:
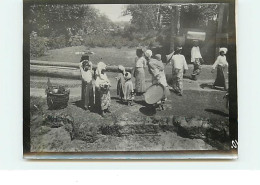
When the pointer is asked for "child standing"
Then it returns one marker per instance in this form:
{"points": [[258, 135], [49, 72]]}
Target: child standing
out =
{"points": [[121, 82], [129, 89]]}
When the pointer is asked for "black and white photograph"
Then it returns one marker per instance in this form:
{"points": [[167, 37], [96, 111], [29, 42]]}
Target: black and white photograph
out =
{"points": [[155, 77]]}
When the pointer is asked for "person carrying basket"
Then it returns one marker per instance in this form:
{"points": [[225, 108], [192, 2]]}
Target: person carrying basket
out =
{"points": [[158, 92]]}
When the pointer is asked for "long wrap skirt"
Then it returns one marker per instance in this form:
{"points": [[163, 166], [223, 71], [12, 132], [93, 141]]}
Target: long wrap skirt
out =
{"points": [[220, 79], [177, 76], [102, 99], [139, 75]]}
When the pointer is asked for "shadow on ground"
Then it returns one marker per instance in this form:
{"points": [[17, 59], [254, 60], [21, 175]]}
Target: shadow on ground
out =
{"points": [[148, 111], [206, 86]]}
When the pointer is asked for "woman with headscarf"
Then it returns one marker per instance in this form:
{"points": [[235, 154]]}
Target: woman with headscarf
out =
{"points": [[221, 64], [87, 86], [121, 82], [103, 99], [139, 73]]}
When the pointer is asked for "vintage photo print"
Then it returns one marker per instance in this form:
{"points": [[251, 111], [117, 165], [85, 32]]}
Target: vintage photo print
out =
{"points": [[130, 80]]}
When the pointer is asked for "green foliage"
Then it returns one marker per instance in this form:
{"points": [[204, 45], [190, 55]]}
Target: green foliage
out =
{"points": [[198, 15], [38, 45], [144, 17], [57, 42]]}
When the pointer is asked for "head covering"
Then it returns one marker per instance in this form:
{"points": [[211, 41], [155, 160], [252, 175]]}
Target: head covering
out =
{"points": [[84, 57], [100, 67], [158, 57], [128, 76], [148, 53], [223, 49], [121, 68], [178, 48]]}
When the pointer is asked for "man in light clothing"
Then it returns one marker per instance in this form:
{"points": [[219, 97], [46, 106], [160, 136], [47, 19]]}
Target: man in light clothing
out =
{"points": [[179, 67], [196, 59]]}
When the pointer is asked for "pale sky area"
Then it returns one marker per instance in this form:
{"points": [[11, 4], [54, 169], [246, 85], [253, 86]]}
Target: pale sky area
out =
{"points": [[113, 11]]}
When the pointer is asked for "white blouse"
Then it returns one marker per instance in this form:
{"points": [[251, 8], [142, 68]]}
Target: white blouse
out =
{"points": [[86, 75], [221, 60], [140, 62], [178, 62], [195, 53]]}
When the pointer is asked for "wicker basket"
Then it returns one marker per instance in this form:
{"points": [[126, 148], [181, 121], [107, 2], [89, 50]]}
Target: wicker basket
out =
{"points": [[154, 94], [57, 100]]}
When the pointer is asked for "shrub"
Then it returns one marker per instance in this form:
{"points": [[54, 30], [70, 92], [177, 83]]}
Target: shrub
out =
{"points": [[38, 45], [75, 40], [57, 42]]}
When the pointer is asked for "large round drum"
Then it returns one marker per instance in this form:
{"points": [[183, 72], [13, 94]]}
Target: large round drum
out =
{"points": [[154, 94]]}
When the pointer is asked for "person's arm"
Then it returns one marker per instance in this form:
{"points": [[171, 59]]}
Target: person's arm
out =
{"points": [[192, 55], [216, 63], [185, 66], [169, 57], [144, 62], [81, 69], [226, 63]]}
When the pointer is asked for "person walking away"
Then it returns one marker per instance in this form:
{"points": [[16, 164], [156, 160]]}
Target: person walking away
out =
{"points": [[221, 64], [179, 67], [103, 99], [196, 59], [139, 72], [87, 86], [121, 82], [156, 69], [129, 89]]}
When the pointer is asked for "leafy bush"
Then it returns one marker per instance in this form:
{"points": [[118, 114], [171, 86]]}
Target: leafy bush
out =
{"points": [[38, 45], [57, 42], [75, 40]]}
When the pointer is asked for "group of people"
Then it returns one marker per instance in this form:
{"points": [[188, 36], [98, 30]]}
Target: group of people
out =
{"points": [[96, 85]]}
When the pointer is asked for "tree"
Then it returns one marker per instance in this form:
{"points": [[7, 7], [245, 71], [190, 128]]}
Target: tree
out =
{"points": [[66, 19], [144, 17]]}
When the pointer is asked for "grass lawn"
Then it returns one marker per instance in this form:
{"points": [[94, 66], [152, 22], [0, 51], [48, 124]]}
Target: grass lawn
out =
{"points": [[111, 56], [114, 56]]}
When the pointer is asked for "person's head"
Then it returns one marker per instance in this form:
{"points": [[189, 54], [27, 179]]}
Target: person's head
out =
{"points": [[84, 57], [195, 43], [223, 51], [101, 68], [178, 50], [158, 57], [128, 76], [148, 54], [139, 52], [86, 65]]}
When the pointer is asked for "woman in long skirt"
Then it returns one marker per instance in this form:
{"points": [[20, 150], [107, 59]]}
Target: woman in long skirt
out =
{"points": [[139, 73], [103, 99], [220, 64]]}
